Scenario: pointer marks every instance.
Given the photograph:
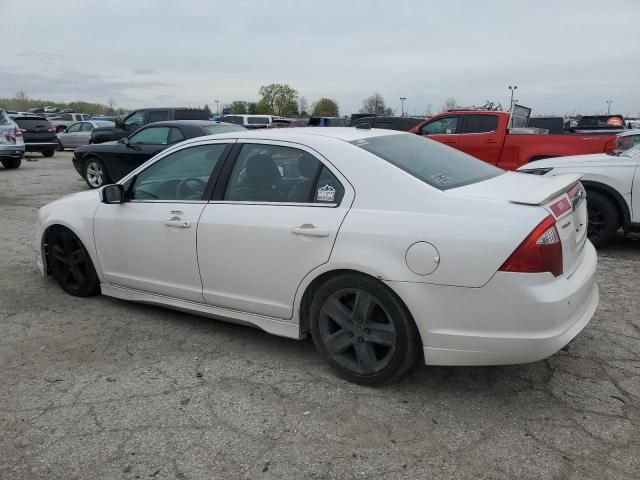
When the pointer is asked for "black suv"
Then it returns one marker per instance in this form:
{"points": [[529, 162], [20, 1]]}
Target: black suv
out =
{"points": [[403, 124], [39, 135], [141, 117]]}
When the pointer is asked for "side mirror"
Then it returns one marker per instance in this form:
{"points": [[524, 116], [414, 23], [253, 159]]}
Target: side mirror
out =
{"points": [[112, 194], [119, 123], [125, 140]]}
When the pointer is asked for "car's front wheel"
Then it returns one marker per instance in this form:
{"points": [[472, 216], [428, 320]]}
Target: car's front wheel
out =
{"points": [[604, 220], [48, 153], [363, 330], [71, 265], [95, 174], [11, 162]]}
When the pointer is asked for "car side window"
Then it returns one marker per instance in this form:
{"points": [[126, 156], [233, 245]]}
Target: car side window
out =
{"points": [[481, 124], [74, 128], [182, 175], [86, 127], [150, 136], [134, 121], [273, 173], [441, 126], [157, 116], [175, 135]]}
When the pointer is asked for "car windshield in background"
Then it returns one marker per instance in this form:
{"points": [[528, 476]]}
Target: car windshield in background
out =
{"points": [[213, 129], [440, 166]]}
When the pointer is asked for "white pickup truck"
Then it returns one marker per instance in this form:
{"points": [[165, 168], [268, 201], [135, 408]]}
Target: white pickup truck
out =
{"points": [[66, 119]]}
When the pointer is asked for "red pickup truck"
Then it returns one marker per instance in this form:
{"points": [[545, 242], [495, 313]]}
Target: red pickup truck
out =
{"points": [[488, 135]]}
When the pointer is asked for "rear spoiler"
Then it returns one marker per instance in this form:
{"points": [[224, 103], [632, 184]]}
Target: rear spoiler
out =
{"points": [[555, 186]]}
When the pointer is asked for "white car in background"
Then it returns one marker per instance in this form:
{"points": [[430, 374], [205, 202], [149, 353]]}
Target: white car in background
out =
{"points": [[612, 183], [11, 142], [375, 242]]}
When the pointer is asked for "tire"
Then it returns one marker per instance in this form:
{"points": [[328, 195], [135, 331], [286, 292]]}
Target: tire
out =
{"points": [[604, 219], [9, 163], [95, 174], [71, 265], [363, 330], [49, 153], [60, 147]]}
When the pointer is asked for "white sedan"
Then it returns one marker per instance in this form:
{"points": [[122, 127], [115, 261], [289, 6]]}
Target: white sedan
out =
{"points": [[377, 243], [612, 182]]}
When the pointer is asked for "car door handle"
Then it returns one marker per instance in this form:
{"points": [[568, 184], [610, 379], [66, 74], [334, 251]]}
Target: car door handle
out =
{"points": [[178, 223], [490, 141], [310, 231]]}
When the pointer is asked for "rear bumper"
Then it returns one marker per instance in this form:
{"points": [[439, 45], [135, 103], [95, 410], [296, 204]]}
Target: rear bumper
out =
{"points": [[40, 146], [515, 318], [11, 151]]}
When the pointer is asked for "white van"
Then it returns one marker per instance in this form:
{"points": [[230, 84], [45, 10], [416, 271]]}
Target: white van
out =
{"points": [[250, 121]]}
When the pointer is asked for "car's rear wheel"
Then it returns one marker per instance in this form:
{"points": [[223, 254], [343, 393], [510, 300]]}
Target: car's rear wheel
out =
{"points": [[71, 265], [363, 330], [95, 174], [48, 153], [11, 162], [604, 220]]}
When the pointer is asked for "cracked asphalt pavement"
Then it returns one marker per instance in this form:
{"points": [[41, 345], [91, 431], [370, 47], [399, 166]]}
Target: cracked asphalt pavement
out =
{"points": [[101, 388]]}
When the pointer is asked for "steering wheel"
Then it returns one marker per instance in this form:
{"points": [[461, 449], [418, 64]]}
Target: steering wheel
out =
{"points": [[190, 187]]}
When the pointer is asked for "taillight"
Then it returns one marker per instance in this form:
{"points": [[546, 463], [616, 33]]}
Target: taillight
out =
{"points": [[560, 207], [540, 252], [51, 130]]}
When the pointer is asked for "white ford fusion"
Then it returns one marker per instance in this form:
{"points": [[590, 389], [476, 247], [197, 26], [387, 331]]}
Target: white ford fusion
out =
{"points": [[377, 243]]}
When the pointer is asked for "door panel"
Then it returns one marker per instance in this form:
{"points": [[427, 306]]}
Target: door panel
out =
{"points": [[137, 249], [252, 260], [480, 137]]}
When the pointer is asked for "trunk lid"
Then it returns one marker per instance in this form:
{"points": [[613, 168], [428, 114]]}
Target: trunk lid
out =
{"points": [[563, 196]]}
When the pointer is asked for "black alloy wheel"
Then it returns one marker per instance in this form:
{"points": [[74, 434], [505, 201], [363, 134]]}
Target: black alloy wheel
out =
{"points": [[71, 265], [363, 330], [603, 219]]}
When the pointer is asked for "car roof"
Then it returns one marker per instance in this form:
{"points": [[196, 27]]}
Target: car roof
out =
{"points": [[305, 134]]}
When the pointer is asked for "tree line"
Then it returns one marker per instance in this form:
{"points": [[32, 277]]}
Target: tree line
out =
{"points": [[22, 102]]}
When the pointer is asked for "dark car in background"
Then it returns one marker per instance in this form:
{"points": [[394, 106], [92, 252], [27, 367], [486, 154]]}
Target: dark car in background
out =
{"points": [[403, 124], [39, 135], [101, 164], [327, 122], [144, 116]]}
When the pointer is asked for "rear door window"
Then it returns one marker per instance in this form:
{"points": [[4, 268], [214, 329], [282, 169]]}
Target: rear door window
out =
{"points": [[480, 124], [157, 116], [436, 164], [258, 120], [151, 136]]}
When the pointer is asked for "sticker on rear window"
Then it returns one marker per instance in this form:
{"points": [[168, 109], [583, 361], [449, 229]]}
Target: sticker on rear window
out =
{"points": [[326, 194], [359, 142], [441, 178]]}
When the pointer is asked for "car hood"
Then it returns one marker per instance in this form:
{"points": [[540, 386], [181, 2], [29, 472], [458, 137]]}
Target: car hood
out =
{"points": [[519, 188], [568, 161]]}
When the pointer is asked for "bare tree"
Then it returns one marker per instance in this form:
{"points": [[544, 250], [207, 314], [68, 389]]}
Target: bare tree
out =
{"points": [[374, 104], [111, 104], [449, 104], [303, 107]]}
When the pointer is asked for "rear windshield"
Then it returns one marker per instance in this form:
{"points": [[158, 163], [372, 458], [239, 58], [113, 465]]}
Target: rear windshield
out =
{"points": [[4, 118], [601, 121], [32, 123], [213, 129], [430, 161], [190, 115]]}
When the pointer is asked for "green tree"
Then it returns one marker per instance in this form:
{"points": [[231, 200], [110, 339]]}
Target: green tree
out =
{"points": [[238, 107], [325, 107], [278, 99], [252, 108]]}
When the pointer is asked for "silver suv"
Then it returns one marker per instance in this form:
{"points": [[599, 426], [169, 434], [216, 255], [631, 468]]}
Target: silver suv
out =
{"points": [[11, 142]]}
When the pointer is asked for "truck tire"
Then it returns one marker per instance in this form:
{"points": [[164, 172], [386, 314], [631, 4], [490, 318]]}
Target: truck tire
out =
{"points": [[604, 219], [11, 163]]}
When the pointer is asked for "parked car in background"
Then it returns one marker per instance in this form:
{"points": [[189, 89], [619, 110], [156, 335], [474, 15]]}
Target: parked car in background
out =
{"points": [[288, 122], [403, 124], [144, 116], [66, 119], [50, 109], [503, 139], [39, 135], [590, 123], [36, 110], [612, 184], [327, 122], [251, 121], [100, 164], [79, 133], [11, 142], [449, 260]]}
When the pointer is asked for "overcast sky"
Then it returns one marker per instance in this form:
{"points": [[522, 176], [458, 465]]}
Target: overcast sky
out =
{"points": [[564, 56]]}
